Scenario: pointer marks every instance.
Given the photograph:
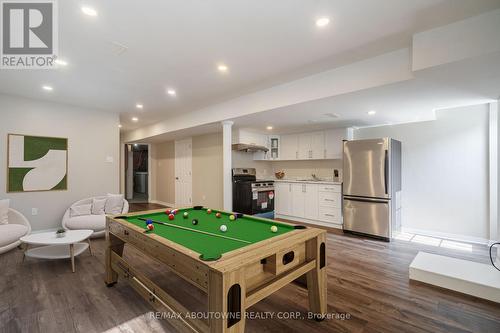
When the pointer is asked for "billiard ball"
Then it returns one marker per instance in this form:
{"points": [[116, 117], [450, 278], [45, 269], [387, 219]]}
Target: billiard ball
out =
{"points": [[174, 211], [186, 214], [223, 228], [171, 217], [151, 227], [209, 211], [168, 211], [232, 217], [218, 215], [194, 222], [149, 221], [274, 228]]}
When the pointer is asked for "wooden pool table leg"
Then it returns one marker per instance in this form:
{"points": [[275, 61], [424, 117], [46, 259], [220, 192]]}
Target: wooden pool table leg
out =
{"points": [[113, 244], [316, 278], [226, 301]]}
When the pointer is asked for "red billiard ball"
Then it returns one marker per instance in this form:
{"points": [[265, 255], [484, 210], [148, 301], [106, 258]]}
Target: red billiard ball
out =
{"points": [[218, 215], [168, 211], [171, 216], [151, 227], [209, 211]]}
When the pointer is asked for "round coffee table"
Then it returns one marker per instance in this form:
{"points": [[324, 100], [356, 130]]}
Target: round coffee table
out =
{"points": [[69, 246]]}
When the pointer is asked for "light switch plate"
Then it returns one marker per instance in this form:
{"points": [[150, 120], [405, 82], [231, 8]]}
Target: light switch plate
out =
{"points": [[109, 159], [34, 211]]}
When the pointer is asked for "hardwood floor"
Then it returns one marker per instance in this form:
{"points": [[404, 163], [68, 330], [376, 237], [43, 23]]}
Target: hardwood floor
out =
{"points": [[368, 289]]}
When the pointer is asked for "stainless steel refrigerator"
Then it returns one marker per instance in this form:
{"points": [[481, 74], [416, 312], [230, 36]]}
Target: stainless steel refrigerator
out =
{"points": [[372, 187]]}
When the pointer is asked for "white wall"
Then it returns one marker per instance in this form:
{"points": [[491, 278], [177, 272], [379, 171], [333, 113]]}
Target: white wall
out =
{"points": [[445, 171], [92, 136]]}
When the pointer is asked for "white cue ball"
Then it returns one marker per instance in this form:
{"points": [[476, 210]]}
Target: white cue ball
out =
{"points": [[274, 228], [223, 228]]}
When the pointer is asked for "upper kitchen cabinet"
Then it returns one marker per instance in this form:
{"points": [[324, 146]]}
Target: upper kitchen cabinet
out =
{"points": [[289, 147], [333, 142], [311, 146]]}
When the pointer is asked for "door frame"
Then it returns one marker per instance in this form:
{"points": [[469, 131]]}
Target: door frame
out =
{"points": [[124, 171]]}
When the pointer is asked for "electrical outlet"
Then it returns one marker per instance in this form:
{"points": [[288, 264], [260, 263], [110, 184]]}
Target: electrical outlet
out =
{"points": [[34, 211]]}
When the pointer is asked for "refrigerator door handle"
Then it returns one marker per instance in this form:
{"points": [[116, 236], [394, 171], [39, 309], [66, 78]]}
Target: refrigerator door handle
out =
{"points": [[386, 171], [373, 200]]}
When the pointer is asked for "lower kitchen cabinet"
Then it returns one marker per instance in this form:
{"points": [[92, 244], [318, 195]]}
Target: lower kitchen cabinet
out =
{"points": [[309, 202]]}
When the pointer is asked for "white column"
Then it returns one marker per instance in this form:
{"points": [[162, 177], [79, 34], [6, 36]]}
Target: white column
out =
{"points": [[227, 164]]}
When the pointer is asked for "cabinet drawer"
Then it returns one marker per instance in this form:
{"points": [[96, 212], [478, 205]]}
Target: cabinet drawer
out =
{"points": [[330, 214], [329, 199], [330, 188]]}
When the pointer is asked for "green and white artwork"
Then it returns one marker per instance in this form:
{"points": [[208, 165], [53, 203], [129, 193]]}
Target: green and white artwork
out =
{"points": [[36, 163]]}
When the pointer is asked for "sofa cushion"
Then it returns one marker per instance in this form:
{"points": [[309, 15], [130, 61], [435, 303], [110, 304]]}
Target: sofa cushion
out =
{"points": [[4, 211], [89, 222], [10, 233], [114, 204], [80, 210], [98, 206]]}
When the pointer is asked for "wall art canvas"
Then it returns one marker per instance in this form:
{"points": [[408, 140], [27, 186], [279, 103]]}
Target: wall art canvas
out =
{"points": [[36, 163]]}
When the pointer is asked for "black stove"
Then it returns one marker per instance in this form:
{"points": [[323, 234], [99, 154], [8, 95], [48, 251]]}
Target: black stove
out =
{"points": [[252, 196]]}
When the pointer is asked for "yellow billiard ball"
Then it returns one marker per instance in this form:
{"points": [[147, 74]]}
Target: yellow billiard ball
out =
{"points": [[274, 228], [232, 217]]}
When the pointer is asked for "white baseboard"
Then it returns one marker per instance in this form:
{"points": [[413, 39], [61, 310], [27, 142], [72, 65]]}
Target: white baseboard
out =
{"points": [[299, 219], [445, 235], [162, 203], [472, 278]]}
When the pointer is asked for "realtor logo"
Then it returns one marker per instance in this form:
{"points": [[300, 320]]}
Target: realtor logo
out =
{"points": [[29, 34]]}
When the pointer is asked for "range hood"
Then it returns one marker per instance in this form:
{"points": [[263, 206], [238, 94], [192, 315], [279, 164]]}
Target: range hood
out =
{"points": [[249, 148]]}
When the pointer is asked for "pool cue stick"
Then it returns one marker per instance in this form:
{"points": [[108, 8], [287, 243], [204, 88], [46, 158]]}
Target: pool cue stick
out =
{"points": [[198, 231]]}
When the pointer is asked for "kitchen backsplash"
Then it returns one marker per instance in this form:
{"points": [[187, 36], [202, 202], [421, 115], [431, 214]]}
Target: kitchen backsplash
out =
{"points": [[293, 169], [304, 169]]}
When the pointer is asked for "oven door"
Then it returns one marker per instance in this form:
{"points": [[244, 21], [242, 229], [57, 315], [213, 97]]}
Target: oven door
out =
{"points": [[262, 200]]}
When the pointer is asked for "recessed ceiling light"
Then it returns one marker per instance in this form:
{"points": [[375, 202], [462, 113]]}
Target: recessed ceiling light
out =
{"points": [[120, 126], [135, 119], [47, 88], [269, 128], [171, 92], [222, 68], [322, 22], [371, 112], [61, 62], [139, 106], [89, 11]]}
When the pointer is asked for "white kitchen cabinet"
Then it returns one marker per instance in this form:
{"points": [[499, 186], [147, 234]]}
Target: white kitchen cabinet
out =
{"points": [[304, 200], [311, 145], [309, 202], [289, 146], [333, 142], [298, 200], [318, 145], [283, 198]]}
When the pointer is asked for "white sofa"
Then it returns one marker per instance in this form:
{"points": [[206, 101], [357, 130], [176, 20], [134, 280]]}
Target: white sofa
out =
{"points": [[89, 222], [17, 227]]}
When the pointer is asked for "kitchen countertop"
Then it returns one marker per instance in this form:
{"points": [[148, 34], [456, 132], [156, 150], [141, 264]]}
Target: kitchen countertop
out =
{"points": [[327, 182]]}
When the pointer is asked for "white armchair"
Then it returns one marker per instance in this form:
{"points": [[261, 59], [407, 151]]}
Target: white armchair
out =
{"points": [[88, 222], [10, 233]]}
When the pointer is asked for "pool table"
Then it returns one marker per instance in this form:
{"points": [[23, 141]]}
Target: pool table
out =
{"points": [[236, 268]]}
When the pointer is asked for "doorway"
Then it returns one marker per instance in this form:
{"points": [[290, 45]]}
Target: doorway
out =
{"points": [[183, 173], [137, 173]]}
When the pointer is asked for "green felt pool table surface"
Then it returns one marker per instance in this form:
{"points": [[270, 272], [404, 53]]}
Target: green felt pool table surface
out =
{"points": [[241, 232]]}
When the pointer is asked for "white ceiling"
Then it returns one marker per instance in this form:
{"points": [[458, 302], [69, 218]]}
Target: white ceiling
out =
{"points": [[468, 82], [178, 43]]}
